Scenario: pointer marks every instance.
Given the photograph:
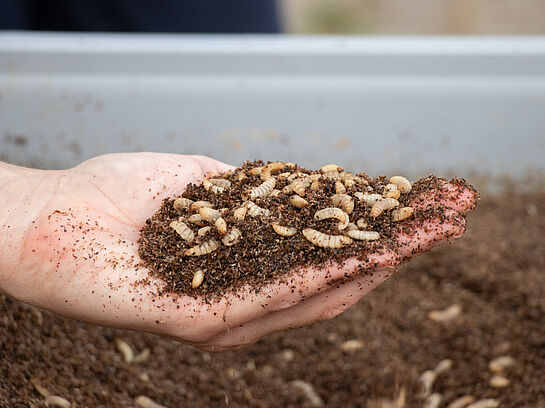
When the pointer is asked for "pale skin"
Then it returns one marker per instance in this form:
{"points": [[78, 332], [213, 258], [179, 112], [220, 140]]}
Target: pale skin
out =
{"points": [[89, 273]]}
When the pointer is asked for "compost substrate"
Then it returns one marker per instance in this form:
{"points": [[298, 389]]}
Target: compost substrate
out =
{"points": [[495, 272], [261, 255]]}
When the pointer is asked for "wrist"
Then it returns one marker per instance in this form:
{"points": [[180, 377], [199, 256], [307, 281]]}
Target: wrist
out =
{"points": [[23, 194]]}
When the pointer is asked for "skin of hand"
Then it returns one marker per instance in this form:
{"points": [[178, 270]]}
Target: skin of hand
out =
{"points": [[68, 244]]}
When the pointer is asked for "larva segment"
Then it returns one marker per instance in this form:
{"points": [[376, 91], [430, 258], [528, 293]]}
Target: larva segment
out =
{"points": [[182, 230], [348, 183], [266, 172], [221, 225], [367, 198], [260, 191], [256, 171], [208, 186], [209, 214], [402, 214], [203, 249], [330, 212], [298, 187], [324, 240], [254, 210], [200, 204], [391, 191], [340, 188], [232, 237], [220, 182], [181, 203], [382, 205], [203, 231], [363, 235], [344, 201], [240, 213], [275, 193], [198, 277], [330, 167], [298, 201], [402, 183], [361, 223], [284, 231], [196, 219], [351, 226]]}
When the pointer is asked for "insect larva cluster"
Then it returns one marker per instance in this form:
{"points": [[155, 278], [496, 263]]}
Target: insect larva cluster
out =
{"points": [[206, 222]]}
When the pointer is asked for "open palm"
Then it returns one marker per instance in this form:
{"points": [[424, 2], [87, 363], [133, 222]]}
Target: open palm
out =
{"points": [[79, 255]]}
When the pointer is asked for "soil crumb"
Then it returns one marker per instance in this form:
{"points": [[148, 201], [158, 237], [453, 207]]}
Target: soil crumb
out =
{"points": [[257, 223]]}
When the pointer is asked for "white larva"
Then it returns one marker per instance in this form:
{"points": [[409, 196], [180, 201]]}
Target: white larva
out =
{"points": [[240, 213], [182, 230], [361, 223], [363, 235], [220, 182], [56, 401], [433, 400], [256, 171], [254, 210], [316, 185], [367, 198], [196, 219], [284, 231], [324, 240], [402, 183], [330, 167], [208, 186], [461, 402], [351, 226], [203, 249], [499, 381], [232, 237], [298, 201], [446, 315], [336, 213], [382, 205], [391, 191], [402, 214], [485, 403], [200, 204], [181, 203], [203, 231], [339, 187], [427, 378], [221, 225], [198, 277], [344, 201], [298, 187], [501, 363], [260, 191], [266, 172], [209, 214], [145, 402], [125, 350]]}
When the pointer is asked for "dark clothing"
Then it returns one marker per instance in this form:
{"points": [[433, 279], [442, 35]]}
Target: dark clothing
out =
{"points": [[160, 16]]}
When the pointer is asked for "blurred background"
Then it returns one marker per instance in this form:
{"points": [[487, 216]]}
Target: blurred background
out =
{"points": [[455, 87]]}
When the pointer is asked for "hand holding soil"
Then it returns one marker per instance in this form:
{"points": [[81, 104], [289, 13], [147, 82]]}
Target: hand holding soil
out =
{"points": [[69, 244]]}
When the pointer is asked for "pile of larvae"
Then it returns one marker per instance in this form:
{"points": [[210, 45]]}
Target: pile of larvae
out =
{"points": [[255, 224]]}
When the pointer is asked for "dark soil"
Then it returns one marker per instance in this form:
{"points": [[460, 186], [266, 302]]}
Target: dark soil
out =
{"points": [[496, 272], [261, 255]]}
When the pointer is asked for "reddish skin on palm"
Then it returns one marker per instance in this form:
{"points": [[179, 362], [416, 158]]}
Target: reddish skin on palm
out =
{"points": [[68, 243]]}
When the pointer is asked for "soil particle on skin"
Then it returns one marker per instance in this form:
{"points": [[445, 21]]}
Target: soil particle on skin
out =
{"points": [[261, 255], [495, 273]]}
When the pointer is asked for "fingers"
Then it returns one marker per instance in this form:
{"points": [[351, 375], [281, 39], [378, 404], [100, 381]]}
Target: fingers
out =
{"points": [[307, 282], [455, 195], [323, 306]]}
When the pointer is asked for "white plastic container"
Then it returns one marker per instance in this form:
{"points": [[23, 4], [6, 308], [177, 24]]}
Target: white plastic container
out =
{"points": [[378, 104]]}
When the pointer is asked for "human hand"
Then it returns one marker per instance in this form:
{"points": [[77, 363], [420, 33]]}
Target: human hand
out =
{"points": [[70, 246]]}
